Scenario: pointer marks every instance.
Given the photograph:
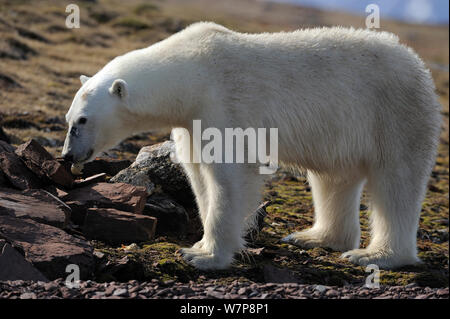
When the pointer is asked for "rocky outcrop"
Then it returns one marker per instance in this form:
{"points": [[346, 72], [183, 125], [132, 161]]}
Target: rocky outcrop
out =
{"points": [[22, 269], [48, 248], [172, 217], [41, 163], [154, 170], [171, 199], [37, 205], [37, 192], [16, 172], [120, 196], [47, 215]]}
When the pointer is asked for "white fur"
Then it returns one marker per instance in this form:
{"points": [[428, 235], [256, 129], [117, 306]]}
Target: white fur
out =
{"points": [[351, 106]]}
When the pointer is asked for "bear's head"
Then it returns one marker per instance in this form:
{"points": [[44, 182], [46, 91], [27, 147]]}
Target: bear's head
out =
{"points": [[96, 118]]}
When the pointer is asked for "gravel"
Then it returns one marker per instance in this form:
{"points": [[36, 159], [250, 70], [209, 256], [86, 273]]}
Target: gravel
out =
{"points": [[209, 289]]}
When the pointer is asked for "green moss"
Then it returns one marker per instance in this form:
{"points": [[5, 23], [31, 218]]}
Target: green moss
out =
{"points": [[145, 8], [132, 23]]}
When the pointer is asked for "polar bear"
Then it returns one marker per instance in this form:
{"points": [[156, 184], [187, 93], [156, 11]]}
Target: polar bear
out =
{"points": [[352, 108]]}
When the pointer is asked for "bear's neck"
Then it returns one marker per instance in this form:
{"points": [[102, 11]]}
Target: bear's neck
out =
{"points": [[166, 94]]}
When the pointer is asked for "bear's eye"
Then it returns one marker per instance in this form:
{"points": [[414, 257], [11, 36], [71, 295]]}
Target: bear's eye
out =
{"points": [[82, 120]]}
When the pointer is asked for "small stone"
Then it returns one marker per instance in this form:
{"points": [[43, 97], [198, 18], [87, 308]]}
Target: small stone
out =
{"points": [[76, 169], [120, 292], [28, 295], [98, 254], [242, 291], [110, 290], [50, 286], [332, 293], [320, 288], [442, 292]]}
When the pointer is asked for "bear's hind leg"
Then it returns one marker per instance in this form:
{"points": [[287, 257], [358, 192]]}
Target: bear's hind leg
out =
{"points": [[396, 198], [336, 207]]}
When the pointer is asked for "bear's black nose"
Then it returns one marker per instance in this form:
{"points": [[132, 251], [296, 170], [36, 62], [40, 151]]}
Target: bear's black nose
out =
{"points": [[68, 158]]}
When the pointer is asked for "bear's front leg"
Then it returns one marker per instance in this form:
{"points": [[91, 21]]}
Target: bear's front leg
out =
{"points": [[231, 196]]}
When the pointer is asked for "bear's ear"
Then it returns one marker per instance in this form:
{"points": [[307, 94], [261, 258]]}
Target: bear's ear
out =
{"points": [[119, 88], [84, 79]]}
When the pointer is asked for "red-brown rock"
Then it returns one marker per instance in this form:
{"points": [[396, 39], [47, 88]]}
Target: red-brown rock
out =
{"points": [[52, 189], [42, 163], [48, 248], [120, 196], [14, 266], [38, 205], [117, 227], [17, 173]]}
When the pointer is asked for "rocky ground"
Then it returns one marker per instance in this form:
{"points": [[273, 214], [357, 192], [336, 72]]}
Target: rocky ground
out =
{"points": [[210, 289], [76, 220]]}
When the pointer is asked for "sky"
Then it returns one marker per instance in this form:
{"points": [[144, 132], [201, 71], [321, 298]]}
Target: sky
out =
{"points": [[412, 11]]}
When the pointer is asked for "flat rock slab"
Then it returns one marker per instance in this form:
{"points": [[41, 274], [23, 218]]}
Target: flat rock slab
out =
{"points": [[48, 248], [120, 196], [17, 173], [117, 227], [37, 205], [14, 266], [42, 163]]}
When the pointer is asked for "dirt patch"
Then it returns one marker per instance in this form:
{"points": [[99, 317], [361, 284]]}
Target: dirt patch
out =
{"points": [[16, 50], [7, 82]]}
